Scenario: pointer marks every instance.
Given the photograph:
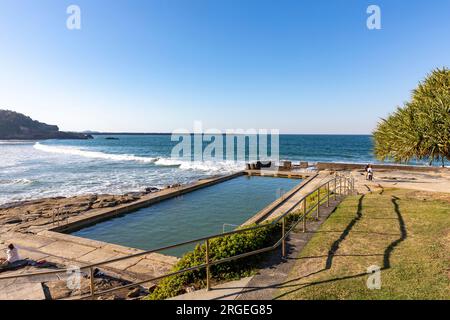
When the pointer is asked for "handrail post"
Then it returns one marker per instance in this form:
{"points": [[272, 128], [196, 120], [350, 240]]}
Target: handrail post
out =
{"points": [[328, 194], [340, 185], [318, 203], [92, 284], [283, 242], [304, 215], [353, 185], [335, 188], [208, 271]]}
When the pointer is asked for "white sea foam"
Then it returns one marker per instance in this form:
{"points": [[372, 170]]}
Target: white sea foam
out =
{"points": [[16, 181], [14, 142], [205, 166], [92, 154]]}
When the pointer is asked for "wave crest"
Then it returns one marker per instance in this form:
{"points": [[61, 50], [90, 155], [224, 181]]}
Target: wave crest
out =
{"points": [[205, 166], [92, 154], [16, 181]]}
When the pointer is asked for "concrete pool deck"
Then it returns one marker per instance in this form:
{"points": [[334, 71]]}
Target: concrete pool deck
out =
{"points": [[44, 239]]}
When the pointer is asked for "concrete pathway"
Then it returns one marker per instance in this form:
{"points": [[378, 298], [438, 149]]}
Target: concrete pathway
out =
{"points": [[225, 291], [424, 181], [31, 291]]}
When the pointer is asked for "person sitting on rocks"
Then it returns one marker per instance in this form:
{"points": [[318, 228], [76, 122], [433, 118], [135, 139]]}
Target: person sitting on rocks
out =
{"points": [[12, 256]]}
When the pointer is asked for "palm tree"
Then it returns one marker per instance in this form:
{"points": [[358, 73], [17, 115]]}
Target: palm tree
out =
{"points": [[421, 128]]}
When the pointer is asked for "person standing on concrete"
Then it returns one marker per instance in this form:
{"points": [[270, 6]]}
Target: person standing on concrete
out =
{"points": [[370, 173]]}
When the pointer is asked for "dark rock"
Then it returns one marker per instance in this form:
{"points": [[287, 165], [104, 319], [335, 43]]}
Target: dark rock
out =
{"points": [[16, 126], [134, 293], [12, 220], [151, 288], [151, 189]]}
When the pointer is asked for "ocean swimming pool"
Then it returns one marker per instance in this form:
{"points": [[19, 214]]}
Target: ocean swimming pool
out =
{"points": [[196, 214]]}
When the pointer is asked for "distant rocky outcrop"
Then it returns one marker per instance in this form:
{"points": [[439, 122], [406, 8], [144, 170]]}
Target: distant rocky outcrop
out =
{"points": [[16, 126]]}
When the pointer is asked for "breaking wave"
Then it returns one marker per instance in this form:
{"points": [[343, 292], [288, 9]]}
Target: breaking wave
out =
{"points": [[16, 181], [205, 166], [93, 154]]}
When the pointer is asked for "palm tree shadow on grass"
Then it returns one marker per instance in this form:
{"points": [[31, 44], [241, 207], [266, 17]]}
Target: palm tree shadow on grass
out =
{"points": [[335, 246], [403, 235]]}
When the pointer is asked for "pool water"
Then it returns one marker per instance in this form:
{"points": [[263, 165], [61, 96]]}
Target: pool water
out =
{"points": [[194, 215]]}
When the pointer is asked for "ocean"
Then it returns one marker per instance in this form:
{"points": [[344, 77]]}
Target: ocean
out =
{"points": [[31, 170]]}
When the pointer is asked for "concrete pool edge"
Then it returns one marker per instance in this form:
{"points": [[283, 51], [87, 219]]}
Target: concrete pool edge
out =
{"points": [[93, 251]]}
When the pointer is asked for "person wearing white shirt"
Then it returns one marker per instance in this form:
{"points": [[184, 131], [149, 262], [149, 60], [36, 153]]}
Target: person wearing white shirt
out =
{"points": [[12, 256], [370, 173]]}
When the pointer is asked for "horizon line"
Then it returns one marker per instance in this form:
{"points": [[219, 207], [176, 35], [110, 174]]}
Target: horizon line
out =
{"points": [[101, 133]]}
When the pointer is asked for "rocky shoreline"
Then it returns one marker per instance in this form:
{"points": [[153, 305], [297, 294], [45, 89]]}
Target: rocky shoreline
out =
{"points": [[23, 216], [20, 216]]}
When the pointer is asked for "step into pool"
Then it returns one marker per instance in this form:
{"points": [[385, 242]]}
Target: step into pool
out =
{"points": [[193, 215]]}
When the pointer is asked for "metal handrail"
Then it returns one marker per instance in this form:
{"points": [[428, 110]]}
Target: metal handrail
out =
{"points": [[345, 184]]}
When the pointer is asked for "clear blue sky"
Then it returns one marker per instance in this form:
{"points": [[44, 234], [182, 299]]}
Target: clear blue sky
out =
{"points": [[158, 65]]}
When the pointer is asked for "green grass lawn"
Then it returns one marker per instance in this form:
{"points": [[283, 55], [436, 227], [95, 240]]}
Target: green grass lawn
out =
{"points": [[404, 232]]}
